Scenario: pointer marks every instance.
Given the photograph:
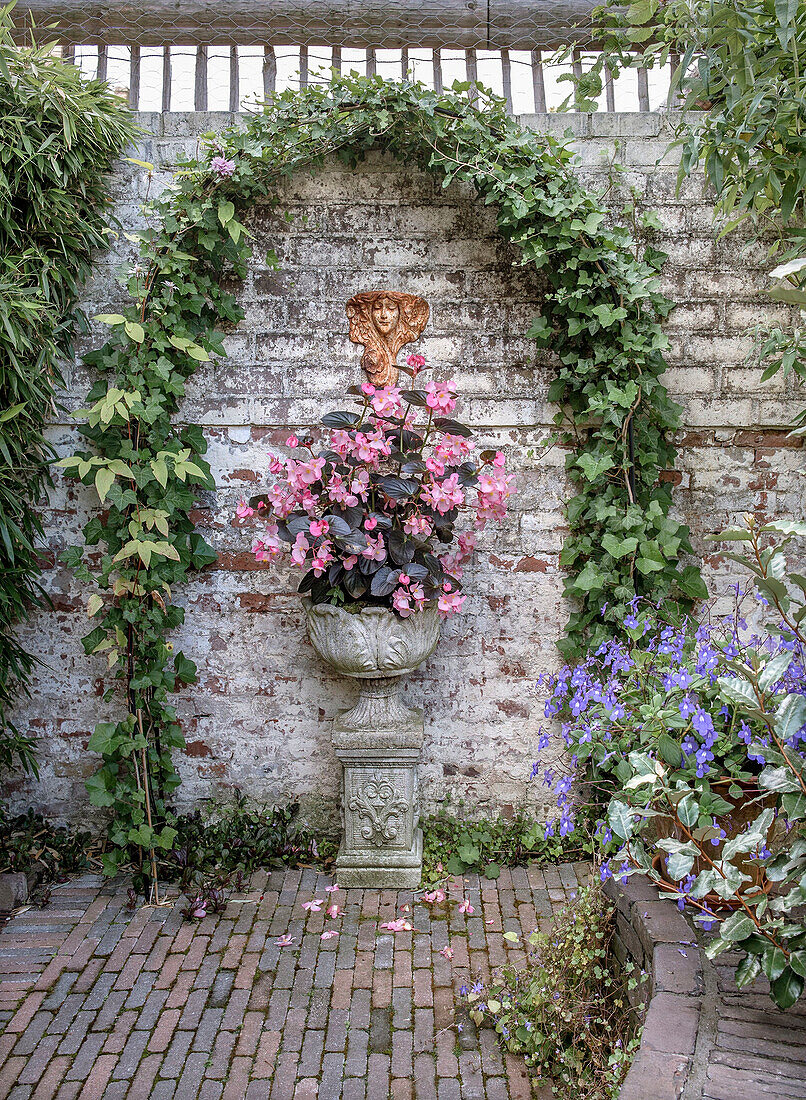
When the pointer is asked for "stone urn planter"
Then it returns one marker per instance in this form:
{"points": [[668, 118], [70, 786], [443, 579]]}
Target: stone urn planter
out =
{"points": [[378, 741]]}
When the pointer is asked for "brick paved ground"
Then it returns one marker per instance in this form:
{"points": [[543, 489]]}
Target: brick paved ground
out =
{"points": [[99, 1002], [746, 1048]]}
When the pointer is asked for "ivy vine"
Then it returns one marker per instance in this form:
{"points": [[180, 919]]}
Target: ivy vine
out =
{"points": [[59, 136], [600, 321]]}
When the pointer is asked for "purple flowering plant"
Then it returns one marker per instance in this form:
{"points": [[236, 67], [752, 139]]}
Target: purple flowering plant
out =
{"points": [[672, 730]]}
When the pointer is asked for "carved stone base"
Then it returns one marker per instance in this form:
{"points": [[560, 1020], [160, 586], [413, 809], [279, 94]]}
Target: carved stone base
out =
{"points": [[399, 871], [382, 845]]}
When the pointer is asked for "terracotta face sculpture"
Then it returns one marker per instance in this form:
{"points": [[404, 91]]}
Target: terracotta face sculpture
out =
{"points": [[383, 321]]}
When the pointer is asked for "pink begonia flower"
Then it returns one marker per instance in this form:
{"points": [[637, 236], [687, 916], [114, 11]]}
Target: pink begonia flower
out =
{"points": [[333, 911], [454, 449], [375, 549], [441, 397], [450, 603], [309, 472], [447, 952], [435, 466], [367, 388], [399, 925], [400, 602], [418, 525], [466, 907], [443, 495], [277, 465], [243, 511], [416, 362], [314, 906], [329, 934], [284, 941], [370, 523], [500, 460], [292, 441], [319, 527], [417, 593], [269, 547], [332, 889], [300, 550], [386, 402], [222, 167], [404, 579], [349, 562], [340, 441]]}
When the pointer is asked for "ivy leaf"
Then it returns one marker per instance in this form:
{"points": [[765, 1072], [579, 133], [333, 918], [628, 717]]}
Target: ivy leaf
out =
{"points": [[594, 467], [104, 480], [110, 318], [226, 212], [135, 331]]}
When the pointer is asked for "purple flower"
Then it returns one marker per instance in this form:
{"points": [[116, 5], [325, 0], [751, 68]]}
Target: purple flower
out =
{"points": [[222, 167]]}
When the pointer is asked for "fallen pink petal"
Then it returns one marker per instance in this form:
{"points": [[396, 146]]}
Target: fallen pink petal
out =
{"points": [[331, 932], [466, 907], [333, 911], [284, 941], [447, 952], [331, 889], [314, 906]]}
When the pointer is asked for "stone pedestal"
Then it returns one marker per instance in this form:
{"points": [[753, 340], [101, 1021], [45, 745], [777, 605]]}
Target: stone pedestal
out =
{"points": [[379, 740], [382, 846]]}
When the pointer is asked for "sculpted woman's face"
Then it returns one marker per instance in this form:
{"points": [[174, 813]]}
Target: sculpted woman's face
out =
{"points": [[385, 315]]}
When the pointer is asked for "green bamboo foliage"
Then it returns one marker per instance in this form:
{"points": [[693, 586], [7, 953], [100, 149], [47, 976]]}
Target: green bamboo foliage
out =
{"points": [[59, 135]]}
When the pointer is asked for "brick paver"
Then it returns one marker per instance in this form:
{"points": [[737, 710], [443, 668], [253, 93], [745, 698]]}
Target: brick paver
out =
{"points": [[99, 1002]]}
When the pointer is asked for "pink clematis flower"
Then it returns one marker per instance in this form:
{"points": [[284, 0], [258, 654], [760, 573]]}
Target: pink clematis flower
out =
{"points": [[314, 906], [284, 941], [222, 167]]}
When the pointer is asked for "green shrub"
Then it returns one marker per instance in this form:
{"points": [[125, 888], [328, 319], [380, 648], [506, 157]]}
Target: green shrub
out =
{"points": [[453, 847], [59, 136]]}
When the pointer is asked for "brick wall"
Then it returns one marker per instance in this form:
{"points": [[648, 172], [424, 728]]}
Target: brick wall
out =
{"points": [[259, 717]]}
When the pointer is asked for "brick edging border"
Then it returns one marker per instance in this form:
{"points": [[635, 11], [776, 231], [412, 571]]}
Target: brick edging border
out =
{"points": [[655, 935]]}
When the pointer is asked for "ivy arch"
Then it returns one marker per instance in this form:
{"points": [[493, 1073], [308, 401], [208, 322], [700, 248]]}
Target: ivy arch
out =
{"points": [[601, 319]]}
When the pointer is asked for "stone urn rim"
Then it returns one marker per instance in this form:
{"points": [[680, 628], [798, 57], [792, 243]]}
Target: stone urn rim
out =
{"points": [[374, 642]]}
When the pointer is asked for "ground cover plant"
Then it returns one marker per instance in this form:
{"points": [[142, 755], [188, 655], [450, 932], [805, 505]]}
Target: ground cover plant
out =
{"points": [[453, 845], [567, 1010]]}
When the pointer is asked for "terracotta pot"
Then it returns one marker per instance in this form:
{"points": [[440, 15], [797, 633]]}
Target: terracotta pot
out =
{"points": [[745, 808]]}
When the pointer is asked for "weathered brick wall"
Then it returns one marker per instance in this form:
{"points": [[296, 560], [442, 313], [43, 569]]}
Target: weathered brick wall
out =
{"points": [[259, 717]]}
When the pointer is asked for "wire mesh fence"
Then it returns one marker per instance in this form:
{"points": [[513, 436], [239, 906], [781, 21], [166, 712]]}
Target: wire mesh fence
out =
{"points": [[208, 55]]}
